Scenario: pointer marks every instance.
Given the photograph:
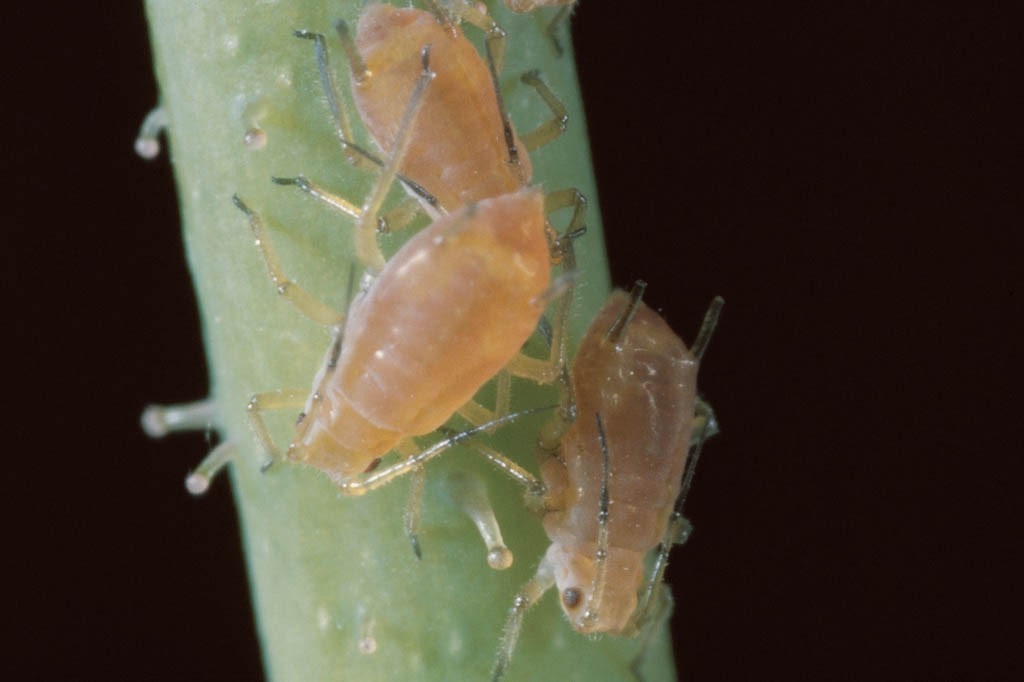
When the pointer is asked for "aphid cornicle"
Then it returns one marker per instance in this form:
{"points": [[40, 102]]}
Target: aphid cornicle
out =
{"points": [[612, 480]]}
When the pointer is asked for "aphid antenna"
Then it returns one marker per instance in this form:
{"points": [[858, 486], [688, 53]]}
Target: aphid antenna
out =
{"points": [[592, 610], [618, 328]]}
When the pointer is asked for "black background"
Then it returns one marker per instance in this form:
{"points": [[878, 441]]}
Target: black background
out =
{"points": [[842, 176]]}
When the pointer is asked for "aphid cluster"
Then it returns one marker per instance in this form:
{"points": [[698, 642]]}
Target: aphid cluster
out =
{"points": [[453, 307]]}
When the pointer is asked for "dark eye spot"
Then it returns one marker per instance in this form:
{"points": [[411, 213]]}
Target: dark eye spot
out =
{"points": [[571, 597]]}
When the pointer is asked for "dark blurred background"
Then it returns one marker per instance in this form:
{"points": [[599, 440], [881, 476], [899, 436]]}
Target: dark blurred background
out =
{"points": [[842, 176]]}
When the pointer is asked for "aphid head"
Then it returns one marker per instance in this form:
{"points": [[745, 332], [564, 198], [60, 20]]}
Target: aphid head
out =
{"points": [[590, 607]]}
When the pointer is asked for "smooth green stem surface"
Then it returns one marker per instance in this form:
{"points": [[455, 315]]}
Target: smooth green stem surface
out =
{"points": [[337, 590]]}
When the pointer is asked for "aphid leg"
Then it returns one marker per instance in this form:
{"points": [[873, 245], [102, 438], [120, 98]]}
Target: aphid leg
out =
{"points": [[198, 482], [561, 245], [534, 488], [304, 301], [502, 393], [159, 420], [469, 492], [399, 217], [450, 12], [367, 248], [354, 153], [147, 144], [363, 483], [601, 554], [552, 128], [529, 595], [544, 371], [321, 195], [476, 414], [390, 221], [561, 18], [282, 399], [339, 113], [678, 529], [413, 510]]}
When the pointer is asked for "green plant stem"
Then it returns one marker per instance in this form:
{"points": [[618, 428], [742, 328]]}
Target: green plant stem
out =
{"points": [[337, 590]]}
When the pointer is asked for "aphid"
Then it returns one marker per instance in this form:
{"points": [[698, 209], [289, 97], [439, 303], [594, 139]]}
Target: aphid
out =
{"points": [[612, 479], [461, 147], [446, 314]]}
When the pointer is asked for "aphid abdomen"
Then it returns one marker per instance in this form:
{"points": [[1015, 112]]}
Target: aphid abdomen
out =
{"points": [[457, 150], [446, 314], [334, 437]]}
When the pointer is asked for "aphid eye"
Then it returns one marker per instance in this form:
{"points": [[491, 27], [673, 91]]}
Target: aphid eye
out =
{"points": [[572, 597]]}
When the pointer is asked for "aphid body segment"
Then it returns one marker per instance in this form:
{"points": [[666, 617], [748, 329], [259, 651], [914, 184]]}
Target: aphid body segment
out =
{"points": [[446, 314], [612, 479]]}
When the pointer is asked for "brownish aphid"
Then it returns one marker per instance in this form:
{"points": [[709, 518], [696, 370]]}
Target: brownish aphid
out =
{"points": [[612, 479]]}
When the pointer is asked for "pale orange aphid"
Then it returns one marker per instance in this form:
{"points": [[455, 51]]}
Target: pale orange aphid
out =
{"points": [[612, 480], [447, 313]]}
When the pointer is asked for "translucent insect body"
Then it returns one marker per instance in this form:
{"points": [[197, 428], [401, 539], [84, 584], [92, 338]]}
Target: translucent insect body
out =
{"points": [[612, 480]]}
